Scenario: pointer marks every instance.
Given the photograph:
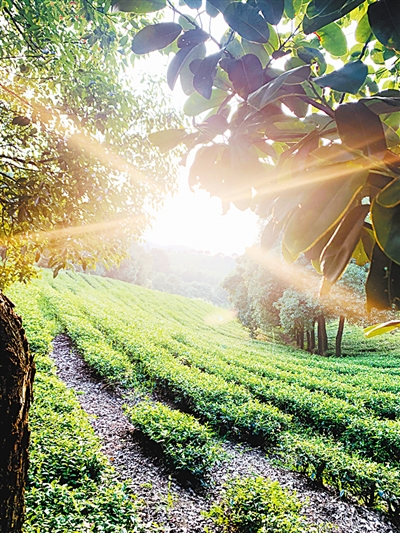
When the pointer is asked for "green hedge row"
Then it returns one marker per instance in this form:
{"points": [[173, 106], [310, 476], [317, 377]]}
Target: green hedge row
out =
{"points": [[71, 486], [187, 446]]}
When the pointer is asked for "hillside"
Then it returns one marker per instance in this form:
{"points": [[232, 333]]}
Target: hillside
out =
{"points": [[174, 270], [191, 376]]}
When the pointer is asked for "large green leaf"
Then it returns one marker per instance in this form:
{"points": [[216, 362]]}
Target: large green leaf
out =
{"points": [[192, 38], [309, 55], [360, 129], [186, 75], [383, 283], [384, 19], [347, 79], [333, 39], [324, 207], [220, 5], [272, 10], [193, 4], [390, 196], [386, 223], [167, 139], [204, 77], [247, 22], [322, 12], [292, 7], [363, 30], [383, 102], [245, 73], [270, 91], [270, 234], [211, 10], [196, 104], [175, 67], [337, 253], [155, 37], [380, 329], [138, 6]]}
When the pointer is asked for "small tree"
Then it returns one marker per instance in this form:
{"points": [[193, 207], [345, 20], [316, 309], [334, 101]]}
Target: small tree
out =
{"points": [[298, 314]]}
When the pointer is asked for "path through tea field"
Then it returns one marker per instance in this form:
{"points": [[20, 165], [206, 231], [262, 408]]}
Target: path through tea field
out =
{"points": [[182, 400]]}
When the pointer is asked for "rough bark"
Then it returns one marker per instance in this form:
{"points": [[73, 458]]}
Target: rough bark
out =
{"points": [[301, 338], [322, 335], [16, 378], [339, 336], [312, 346]]}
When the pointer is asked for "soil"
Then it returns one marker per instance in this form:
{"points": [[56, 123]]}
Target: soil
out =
{"points": [[169, 507]]}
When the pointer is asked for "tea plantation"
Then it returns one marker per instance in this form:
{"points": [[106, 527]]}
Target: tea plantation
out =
{"points": [[335, 420]]}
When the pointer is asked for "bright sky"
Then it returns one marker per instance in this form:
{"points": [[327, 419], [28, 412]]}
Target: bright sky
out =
{"points": [[193, 218]]}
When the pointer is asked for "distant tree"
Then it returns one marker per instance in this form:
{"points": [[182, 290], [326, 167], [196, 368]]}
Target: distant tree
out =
{"points": [[298, 314], [136, 268], [253, 290]]}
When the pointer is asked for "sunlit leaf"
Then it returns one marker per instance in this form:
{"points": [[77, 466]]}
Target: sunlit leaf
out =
{"points": [[192, 38], [155, 37], [384, 102], [384, 19], [380, 329], [325, 207], [246, 73], [347, 79], [322, 12], [204, 77], [272, 10], [138, 6], [247, 22], [268, 92], [363, 30], [360, 129], [339, 250], [383, 282], [333, 39], [167, 139], [386, 223], [310, 55], [182, 57], [197, 104], [193, 4]]}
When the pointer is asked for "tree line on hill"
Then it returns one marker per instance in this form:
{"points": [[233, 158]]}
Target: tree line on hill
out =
{"points": [[263, 300], [177, 271]]}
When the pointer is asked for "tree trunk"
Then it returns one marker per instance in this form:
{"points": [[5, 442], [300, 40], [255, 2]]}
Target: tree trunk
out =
{"points": [[312, 346], [308, 334], [322, 335], [16, 378], [301, 338], [339, 336]]}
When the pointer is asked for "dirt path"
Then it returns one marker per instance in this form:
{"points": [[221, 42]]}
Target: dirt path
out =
{"points": [[166, 503]]}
